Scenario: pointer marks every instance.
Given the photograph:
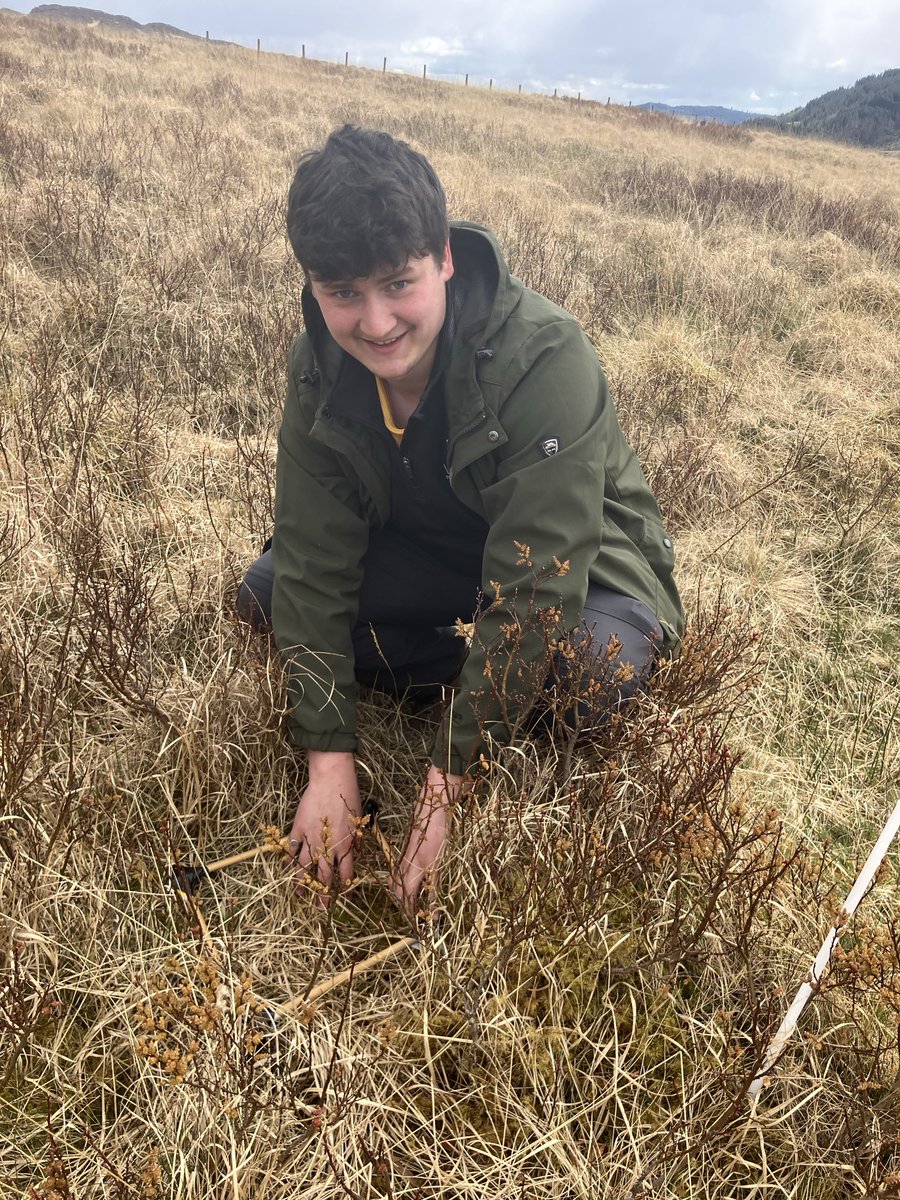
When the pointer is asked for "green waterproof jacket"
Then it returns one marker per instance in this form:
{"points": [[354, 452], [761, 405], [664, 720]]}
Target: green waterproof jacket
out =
{"points": [[534, 447]]}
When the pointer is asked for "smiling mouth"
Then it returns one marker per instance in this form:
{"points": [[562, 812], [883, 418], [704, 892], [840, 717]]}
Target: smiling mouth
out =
{"points": [[386, 342]]}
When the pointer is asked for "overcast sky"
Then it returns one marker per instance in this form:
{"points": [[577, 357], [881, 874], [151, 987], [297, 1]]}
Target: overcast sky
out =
{"points": [[762, 55]]}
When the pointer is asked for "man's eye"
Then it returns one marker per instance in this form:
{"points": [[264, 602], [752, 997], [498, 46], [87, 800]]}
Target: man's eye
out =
{"points": [[398, 285], [342, 294]]}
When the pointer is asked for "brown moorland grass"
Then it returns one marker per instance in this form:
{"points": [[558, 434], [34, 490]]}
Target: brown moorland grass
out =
{"points": [[625, 917]]}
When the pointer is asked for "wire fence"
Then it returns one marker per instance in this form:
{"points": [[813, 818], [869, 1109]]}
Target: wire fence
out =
{"points": [[459, 78]]}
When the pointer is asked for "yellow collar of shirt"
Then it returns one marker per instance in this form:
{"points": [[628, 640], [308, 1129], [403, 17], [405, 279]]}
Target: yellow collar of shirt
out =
{"points": [[394, 430]]}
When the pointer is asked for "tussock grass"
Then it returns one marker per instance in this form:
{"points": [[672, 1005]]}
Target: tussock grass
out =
{"points": [[624, 917]]}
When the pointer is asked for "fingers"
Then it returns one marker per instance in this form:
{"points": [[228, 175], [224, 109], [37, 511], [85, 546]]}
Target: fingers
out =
{"points": [[295, 846], [407, 879], [345, 865], [299, 850], [301, 854], [324, 874], [314, 867], [417, 868], [414, 872], [321, 841], [407, 887], [413, 888]]}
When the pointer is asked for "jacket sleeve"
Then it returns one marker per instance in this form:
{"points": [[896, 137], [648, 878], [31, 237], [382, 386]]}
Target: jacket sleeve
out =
{"points": [[321, 535], [543, 507]]}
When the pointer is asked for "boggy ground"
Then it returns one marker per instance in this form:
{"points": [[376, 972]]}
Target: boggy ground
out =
{"points": [[624, 919]]}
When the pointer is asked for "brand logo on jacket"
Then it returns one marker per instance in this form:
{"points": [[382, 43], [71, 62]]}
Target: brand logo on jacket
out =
{"points": [[550, 446]]}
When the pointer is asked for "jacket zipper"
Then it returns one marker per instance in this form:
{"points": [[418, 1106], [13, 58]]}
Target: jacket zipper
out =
{"points": [[482, 416]]}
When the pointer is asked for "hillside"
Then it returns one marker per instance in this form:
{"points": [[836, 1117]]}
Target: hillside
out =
{"points": [[703, 112], [622, 918], [866, 114], [94, 16]]}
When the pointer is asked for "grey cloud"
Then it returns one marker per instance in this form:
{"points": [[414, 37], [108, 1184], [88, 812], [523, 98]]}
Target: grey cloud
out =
{"points": [[681, 51]]}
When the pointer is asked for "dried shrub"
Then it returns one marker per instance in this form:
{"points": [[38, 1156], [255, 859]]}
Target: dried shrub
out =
{"points": [[667, 189], [709, 130]]}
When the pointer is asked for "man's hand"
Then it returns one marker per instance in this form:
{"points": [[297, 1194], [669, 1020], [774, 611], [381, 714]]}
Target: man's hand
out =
{"points": [[327, 824], [426, 840]]}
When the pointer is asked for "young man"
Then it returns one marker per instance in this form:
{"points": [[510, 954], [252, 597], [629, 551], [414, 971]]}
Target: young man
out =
{"points": [[445, 428]]}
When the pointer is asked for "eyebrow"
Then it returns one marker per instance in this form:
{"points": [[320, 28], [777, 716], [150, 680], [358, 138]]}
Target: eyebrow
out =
{"points": [[386, 278], [395, 274]]}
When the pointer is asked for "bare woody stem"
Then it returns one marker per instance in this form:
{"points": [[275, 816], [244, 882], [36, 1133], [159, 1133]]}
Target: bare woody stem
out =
{"points": [[360, 968]]}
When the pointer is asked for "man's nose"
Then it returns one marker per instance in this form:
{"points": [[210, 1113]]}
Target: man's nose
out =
{"points": [[377, 320]]}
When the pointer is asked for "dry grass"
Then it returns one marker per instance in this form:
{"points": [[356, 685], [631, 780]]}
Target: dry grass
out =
{"points": [[625, 918]]}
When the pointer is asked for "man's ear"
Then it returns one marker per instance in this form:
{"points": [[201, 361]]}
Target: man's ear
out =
{"points": [[447, 263]]}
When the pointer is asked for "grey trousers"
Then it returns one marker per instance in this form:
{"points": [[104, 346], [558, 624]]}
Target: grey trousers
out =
{"points": [[404, 639]]}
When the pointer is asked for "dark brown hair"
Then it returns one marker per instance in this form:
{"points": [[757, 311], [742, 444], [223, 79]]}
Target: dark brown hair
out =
{"points": [[364, 200]]}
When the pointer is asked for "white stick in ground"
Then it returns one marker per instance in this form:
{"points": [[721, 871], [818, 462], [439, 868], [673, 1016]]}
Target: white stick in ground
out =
{"points": [[823, 959]]}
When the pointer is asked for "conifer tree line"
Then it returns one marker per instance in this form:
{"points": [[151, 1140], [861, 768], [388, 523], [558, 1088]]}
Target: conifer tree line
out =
{"points": [[866, 114]]}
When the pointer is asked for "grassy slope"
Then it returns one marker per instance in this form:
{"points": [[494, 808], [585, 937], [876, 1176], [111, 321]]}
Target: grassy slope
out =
{"points": [[622, 921]]}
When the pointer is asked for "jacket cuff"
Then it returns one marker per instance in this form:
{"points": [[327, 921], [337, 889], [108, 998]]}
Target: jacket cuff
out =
{"points": [[453, 763], [458, 745], [302, 739]]}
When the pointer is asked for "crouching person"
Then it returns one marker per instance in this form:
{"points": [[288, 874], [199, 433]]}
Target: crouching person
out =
{"points": [[447, 432]]}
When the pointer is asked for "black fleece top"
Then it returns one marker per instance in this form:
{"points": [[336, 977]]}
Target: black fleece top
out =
{"points": [[424, 508]]}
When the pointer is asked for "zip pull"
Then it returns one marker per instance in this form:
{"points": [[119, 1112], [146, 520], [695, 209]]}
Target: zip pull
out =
{"points": [[482, 416], [407, 468]]}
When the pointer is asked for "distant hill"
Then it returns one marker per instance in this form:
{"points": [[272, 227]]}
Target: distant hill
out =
{"points": [[93, 16], [699, 112], [866, 114]]}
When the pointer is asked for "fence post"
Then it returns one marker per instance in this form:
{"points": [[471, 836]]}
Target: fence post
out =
{"points": [[554, 93], [520, 89], [608, 98], [384, 66], [207, 35], [467, 78], [579, 99], [346, 57], [257, 47], [490, 85], [303, 50]]}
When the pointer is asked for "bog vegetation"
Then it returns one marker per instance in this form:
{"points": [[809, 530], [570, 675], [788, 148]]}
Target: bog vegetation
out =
{"points": [[625, 917]]}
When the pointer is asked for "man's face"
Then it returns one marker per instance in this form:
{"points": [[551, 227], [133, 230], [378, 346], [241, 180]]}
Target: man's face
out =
{"points": [[390, 320]]}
